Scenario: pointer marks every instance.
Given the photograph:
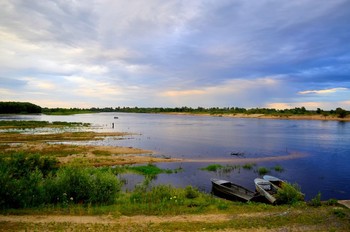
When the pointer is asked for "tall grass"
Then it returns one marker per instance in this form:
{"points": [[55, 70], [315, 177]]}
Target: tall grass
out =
{"points": [[164, 199], [289, 194], [28, 181]]}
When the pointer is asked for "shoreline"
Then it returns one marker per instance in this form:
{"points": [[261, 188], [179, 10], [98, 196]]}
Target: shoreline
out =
{"points": [[264, 116]]}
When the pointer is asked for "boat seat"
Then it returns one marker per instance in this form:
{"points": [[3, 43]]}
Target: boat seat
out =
{"points": [[266, 186]]}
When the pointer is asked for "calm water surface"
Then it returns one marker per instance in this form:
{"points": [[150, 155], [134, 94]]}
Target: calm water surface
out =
{"points": [[326, 145]]}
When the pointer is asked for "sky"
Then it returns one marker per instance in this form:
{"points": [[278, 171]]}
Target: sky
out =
{"points": [[174, 53]]}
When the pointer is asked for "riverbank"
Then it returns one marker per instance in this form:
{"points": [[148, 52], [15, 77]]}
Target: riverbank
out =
{"points": [[266, 116]]}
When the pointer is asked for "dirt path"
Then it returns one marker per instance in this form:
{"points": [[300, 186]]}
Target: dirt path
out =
{"points": [[108, 219], [133, 223]]}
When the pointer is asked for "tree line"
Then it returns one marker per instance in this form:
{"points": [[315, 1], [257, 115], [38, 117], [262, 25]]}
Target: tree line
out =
{"points": [[19, 108], [25, 107]]}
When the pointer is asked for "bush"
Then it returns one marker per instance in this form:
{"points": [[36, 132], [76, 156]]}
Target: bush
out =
{"points": [[289, 194], [22, 180], [191, 192], [316, 201], [105, 187], [26, 191], [332, 201], [21, 165], [84, 185], [37, 184]]}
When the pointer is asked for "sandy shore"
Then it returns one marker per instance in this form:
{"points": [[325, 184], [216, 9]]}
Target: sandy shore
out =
{"points": [[263, 116]]}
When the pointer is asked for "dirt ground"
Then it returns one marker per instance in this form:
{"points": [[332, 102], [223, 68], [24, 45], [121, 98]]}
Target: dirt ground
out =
{"points": [[139, 223]]}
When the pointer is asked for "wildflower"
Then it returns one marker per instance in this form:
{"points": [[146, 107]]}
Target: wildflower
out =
{"points": [[71, 198]]}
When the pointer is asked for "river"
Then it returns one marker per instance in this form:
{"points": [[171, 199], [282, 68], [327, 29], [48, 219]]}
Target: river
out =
{"points": [[323, 163]]}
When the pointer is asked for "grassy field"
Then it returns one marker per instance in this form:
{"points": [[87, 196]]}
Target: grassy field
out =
{"points": [[194, 215]]}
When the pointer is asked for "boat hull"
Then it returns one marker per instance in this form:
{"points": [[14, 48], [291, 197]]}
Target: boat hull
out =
{"points": [[231, 191]]}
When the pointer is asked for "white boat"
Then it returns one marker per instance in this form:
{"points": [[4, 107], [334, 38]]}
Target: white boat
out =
{"points": [[274, 180], [266, 188]]}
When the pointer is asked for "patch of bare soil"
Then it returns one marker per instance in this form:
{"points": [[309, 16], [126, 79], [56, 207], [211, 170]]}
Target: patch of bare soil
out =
{"points": [[90, 155], [140, 219]]}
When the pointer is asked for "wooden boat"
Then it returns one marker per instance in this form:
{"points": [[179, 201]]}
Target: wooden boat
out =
{"points": [[266, 188], [274, 180], [232, 191]]}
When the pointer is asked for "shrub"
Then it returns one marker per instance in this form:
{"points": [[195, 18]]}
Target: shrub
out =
{"points": [[339, 212], [316, 201], [26, 191], [289, 194], [105, 187], [22, 180], [191, 192], [21, 165], [332, 202], [84, 185]]}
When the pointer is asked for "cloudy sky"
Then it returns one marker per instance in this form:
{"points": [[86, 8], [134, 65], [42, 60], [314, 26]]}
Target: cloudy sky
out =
{"points": [[244, 53]]}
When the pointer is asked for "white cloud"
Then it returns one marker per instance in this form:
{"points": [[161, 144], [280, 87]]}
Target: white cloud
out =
{"points": [[38, 84], [323, 91], [174, 52]]}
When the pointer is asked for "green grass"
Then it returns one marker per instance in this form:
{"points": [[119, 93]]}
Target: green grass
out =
{"points": [[263, 170], [248, 166], [149, 170], [212, 167], [37, 124], [278, 168]]}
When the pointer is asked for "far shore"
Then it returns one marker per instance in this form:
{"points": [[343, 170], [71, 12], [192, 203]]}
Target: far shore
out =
{"points": [[265, 116]]}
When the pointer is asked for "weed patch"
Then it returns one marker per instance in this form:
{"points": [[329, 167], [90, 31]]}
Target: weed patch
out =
{"points": [[263, 170]]}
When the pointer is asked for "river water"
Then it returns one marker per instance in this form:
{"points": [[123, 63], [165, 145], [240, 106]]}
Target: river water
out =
{"points": [[323, 166]]}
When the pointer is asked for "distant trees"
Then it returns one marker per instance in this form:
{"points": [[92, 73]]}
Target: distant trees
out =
{"points": [[29, 108], [19, 108], [341, 112]]}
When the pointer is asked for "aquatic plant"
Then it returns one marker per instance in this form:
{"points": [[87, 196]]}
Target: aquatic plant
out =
{"points": [[278, 168], [149, 170], [248, 166], [212, 167], [263, 170]]}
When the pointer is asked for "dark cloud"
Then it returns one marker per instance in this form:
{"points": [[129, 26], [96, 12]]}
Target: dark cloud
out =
{"points": [[163, 46]]}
